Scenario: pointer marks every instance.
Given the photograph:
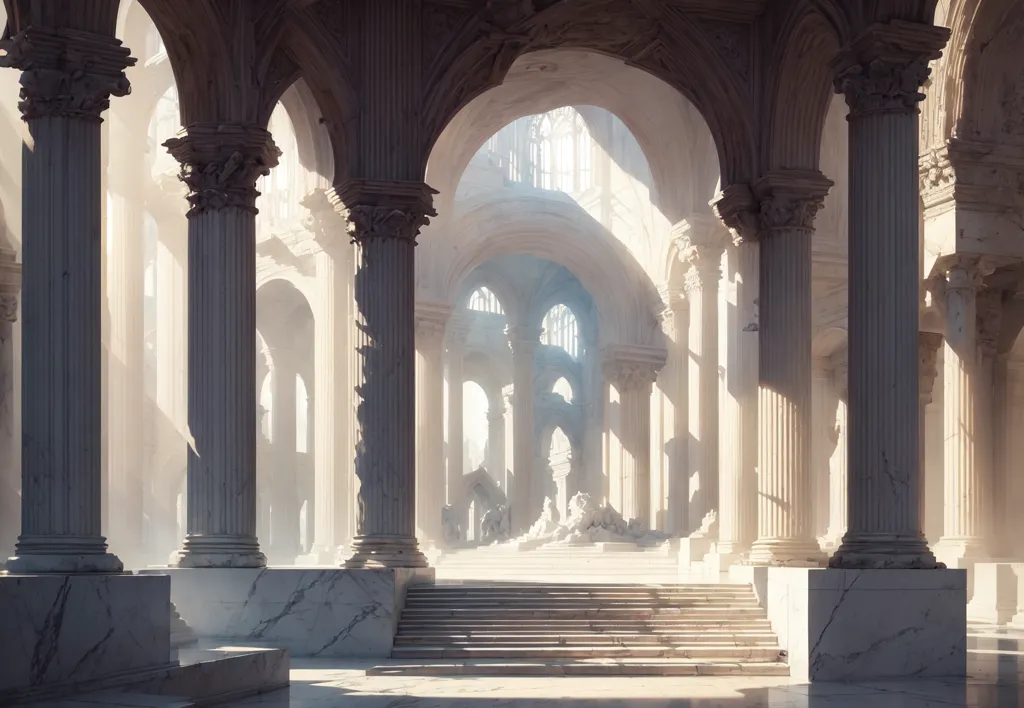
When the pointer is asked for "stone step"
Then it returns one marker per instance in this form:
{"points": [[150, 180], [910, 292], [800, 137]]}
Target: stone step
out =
{"points": [[588, 639], [581, 603], [594, 667], [744, 654], [585, 626], [574, 613], [602, 593]]}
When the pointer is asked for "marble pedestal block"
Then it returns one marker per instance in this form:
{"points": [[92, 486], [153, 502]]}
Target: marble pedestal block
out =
{"points": [[855, 625], [307, 611], [692, 549], [68, 629], [996, 591]]}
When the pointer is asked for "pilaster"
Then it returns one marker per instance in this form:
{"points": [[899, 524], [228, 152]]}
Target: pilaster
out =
{"points": [[220, 166], [789, 201], [385, 218], [431, 320], [68, 77], [880, 73]]}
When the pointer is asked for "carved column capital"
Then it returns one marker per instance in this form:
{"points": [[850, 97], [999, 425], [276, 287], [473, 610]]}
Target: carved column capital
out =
{"points": [[789, 200], [220, 164], [700, 242], [737, 209], [883, 69], [67, 73], [627, 375], [391, 210], [325, 218], [928, 344], [963, 271]]}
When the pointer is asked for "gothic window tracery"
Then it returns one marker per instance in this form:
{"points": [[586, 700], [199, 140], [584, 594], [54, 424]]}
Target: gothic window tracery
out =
{"points": [[560, 329], [483, 300]]}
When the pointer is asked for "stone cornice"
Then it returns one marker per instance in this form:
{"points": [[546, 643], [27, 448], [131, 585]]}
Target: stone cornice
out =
{"points": [[882, 70], [652, 356], [789, 200], [67, 73], [220, 164]]}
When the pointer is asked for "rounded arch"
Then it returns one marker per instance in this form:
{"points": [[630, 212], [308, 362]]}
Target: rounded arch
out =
{"points": [[800, 90], [560, 231], [283, 312], [672, 133]]}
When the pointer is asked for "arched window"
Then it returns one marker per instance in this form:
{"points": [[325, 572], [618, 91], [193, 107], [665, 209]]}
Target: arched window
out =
{"points": [[563, 389], [560, 445], [561, 330], [483, 300], [282, 190]]}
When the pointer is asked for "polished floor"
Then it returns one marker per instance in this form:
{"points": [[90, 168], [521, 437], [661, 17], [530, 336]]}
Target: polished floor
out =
{"points": [[995, 666]]}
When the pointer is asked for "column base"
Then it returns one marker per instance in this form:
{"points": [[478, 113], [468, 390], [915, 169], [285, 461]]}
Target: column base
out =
{"points": [[867, 551], [786, 553], [386, 552], [324, 555], [211, 551], [63, 554]]}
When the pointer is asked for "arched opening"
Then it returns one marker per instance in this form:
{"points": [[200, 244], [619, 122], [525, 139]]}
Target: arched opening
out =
{"points": [[560, 329]]}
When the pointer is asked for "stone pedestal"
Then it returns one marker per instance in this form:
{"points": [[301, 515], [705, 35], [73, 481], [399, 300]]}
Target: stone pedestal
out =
{"points": [[62, 295], [880, 74], [220, 166], [334, 612], [789, 202], [384, 220], [68, 629], [862, 625]]}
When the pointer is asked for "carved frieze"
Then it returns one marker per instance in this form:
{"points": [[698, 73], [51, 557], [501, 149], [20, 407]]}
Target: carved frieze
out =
{"points": [[324, 219], [220, 164], [67, 73]]}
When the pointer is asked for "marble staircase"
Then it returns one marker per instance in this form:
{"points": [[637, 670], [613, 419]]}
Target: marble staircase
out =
{"points": [[593, 628]]}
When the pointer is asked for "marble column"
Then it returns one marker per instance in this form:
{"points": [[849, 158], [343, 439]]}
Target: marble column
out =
{"points": [[524, 341], [220, 166], [837, 517], [880, 74], [284, 506], [384, 220], [967, 505], [789, 202], [633, 380], [125, 375], [430, 461], [10, 473], [928, 344], [331, 438], [737, 527], [674, 381], [458, 330], [824, 402], [496, 439], [700, 242], [62, 101]]}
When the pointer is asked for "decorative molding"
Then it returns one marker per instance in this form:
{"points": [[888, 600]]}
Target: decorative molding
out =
{"points": [[928, 344], [629, 376], [385, 209], [789, 200], [67, 73], [989, 315], [220, 164], [883, 69], [963, 271], [936, 173], [325, 219]]}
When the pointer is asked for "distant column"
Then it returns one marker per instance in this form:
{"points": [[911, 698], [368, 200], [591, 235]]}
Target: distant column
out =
{"points": [[455, 341], [524, 341], [284, 505], [10, 472], [430, 467]]}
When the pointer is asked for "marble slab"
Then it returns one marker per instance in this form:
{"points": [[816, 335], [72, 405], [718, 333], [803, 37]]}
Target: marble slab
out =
{"points": [[996, 586], [310, 612], [845, 625], [60, 629]]}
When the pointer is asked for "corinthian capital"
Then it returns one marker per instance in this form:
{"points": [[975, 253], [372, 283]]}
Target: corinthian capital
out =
{"points": [[326, 218], [789, 200], [220, 164], [736, 207], [67, 73], [390, 210], [632, 368], [883, 69], [963, 271]]}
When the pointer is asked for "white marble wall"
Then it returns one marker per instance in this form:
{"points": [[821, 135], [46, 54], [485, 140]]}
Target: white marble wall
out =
{"points": [[321, 612], [70, 628]]}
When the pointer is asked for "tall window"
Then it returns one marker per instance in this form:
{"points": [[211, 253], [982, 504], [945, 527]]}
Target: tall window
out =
{"points": [[282, 189], [562, 330], [483, 300], [553, 151]]}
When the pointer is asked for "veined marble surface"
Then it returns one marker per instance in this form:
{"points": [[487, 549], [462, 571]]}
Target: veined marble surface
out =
{"points": [[847, 625], [309, 612], [68, 628]]}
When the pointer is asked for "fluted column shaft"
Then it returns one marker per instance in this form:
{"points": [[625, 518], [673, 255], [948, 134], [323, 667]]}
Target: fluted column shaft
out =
{"points": [[524, 342], [967, 506], [384, 219], [430, 467], [633, 381], [220, 166], [823, 439], [928, 344], [62, 243], [331, 372], [284, 514], [880, 73], [789, 202], [674, 380], [737, 526], [456, 345]]}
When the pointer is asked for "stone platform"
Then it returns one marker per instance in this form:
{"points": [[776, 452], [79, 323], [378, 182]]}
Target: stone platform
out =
{"points": [[61, 630], [310, 612], [846, 625]]}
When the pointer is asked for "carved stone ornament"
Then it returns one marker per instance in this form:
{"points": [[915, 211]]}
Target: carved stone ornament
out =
{"points": [[703, 275], [883, 85], [628, 375], [325, 219], [67, 73], [990, 319], [220, 164], [736, 208], [928, 344], [783, 212], [430, 330], [936, 171], [9, 307], [964, 272], [367, 222]]}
